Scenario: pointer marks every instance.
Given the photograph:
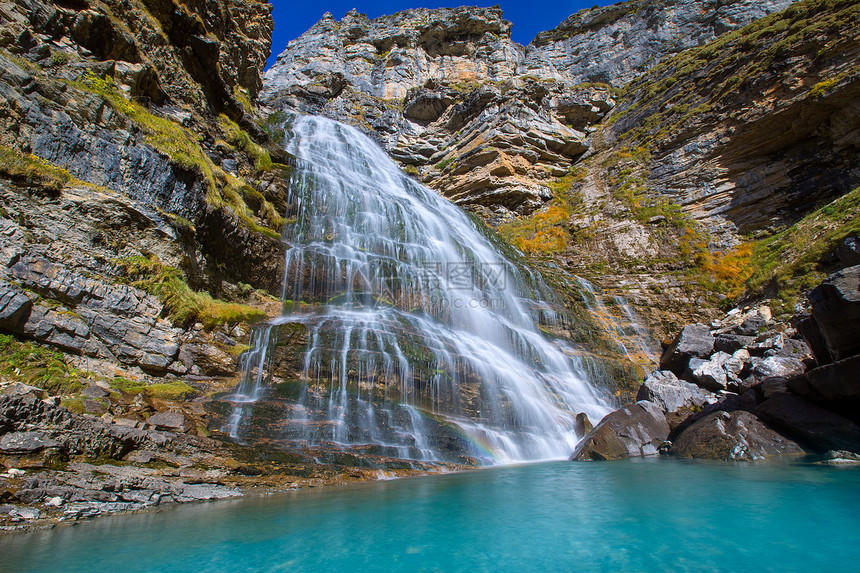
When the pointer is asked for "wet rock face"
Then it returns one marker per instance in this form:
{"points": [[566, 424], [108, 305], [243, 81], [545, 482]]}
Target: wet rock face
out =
{"points": [[732, 436], [635, 431]]}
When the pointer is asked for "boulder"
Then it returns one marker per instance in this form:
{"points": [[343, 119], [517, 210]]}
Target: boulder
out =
{"points": [[777, 366], [848, 253], [637, 430], [171, 421], [730, 342], [836, 308], [808, 329], [732, 436], [812, 425], [670, 394], [26, 442], [838, 381], [716, 374], [694, 341], [582, 425]]}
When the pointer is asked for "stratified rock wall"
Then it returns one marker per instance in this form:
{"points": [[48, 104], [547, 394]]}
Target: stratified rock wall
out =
{"points": [[617, 43]]}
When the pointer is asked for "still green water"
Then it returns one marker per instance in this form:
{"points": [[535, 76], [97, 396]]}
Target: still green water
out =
{"points": [[637, 515]]}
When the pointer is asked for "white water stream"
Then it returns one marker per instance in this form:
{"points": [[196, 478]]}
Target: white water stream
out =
{"points": [[423, 339]]}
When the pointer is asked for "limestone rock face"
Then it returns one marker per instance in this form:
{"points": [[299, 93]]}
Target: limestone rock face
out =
{"points": [[388, 56], [483, 120], [745, 173], [634, 431], [732, 436], [616, 43]]}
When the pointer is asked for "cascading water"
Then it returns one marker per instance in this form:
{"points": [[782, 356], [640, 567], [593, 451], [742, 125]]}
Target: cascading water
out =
{"points": [[423, 341]]}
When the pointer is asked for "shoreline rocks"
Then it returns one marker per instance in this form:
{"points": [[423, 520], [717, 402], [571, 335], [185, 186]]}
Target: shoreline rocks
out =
{"points": [[770, 397]]}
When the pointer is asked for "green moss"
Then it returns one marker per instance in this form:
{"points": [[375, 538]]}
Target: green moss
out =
{"points": [[37, 366], [74, 404], [183, 305], [33, 169], [174, 391]]}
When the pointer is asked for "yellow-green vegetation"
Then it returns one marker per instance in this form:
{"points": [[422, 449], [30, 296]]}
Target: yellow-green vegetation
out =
{"points": [[178, 143], [240, 139], [33, 169], [184, 305], [245, 201], [37, 366], [546, 230], [543, 232], [174, 391], [787, 264], [791, 260]]}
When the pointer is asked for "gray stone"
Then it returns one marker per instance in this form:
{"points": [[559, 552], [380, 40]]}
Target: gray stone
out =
{"points": [[26, 442], [14, 306], [730, 343], [634, 431], [664, 389], [777, 366], [732, 436], [94, 391], [171, 421], [21, 389], [694, 341]]}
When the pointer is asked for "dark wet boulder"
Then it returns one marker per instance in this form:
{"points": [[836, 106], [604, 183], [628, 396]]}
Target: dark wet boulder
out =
{"points": [[694, 341], [811, 425], [839, 381], [669, 393], [732, 436], [836, 308], [637, 430]]}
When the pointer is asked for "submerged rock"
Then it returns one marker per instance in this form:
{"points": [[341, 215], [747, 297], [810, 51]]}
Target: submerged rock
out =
{"points": [[732, 436], [637, 430]]}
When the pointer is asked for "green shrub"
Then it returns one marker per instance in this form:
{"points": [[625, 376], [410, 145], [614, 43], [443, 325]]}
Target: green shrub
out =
{"points": [[182, 304], [37, 366]]}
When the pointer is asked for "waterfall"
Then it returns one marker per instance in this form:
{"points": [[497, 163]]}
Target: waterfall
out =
{"points": [[422, 341]]}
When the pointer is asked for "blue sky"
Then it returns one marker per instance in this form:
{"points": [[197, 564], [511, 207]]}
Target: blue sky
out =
{"points": [[292, 18]]}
